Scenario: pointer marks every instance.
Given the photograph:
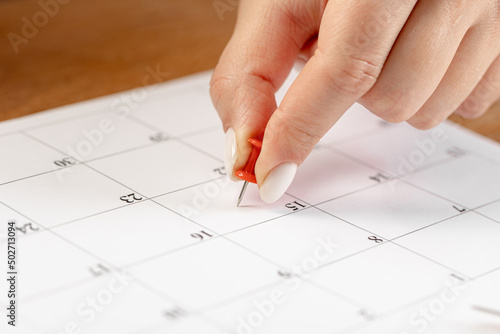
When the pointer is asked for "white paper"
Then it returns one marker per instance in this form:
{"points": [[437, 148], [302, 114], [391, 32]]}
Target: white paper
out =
{"points": [[126, 223]]}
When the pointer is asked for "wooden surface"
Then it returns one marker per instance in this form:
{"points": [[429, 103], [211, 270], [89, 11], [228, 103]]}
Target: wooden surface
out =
{"points": [[91, 48]]}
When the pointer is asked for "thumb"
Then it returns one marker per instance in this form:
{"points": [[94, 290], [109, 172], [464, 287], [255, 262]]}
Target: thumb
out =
{"points": [[266, 41]]}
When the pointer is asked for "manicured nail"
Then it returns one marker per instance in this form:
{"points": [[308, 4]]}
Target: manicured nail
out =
{"points": [[299, 64], [277, 182], [230, 153]]}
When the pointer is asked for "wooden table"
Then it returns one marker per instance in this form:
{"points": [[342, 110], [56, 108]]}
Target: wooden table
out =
{"points": [[88, 48]]}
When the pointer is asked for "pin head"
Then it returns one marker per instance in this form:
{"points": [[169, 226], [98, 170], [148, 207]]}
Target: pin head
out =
{"points": [[248, 173]]}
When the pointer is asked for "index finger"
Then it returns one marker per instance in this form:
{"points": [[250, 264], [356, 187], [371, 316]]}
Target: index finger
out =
{"points": [[354, 41]]}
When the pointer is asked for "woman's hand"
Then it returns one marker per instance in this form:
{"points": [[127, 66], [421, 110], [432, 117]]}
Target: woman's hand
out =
{"points": [[404, 60]]}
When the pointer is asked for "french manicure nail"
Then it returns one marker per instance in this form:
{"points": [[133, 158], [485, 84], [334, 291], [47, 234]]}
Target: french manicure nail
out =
{"points": [[230, 153], [277, 182]]}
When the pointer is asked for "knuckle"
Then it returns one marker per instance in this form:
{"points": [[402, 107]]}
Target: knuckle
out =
{"points": [[302, 136], [392, 107], [357, 75], [481, 98], [219, 86], [472, 115], [453, 10], [242, 99], [475, 105], [471, 109], [425, 122], [293, 130], [459, 5]]}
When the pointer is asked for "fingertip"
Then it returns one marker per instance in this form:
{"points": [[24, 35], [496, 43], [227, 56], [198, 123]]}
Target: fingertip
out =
{"points": [[471, 111], [230, 153], [277, 182]]}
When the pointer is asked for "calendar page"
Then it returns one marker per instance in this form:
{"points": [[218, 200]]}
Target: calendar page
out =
{"points": [[118, 217]]}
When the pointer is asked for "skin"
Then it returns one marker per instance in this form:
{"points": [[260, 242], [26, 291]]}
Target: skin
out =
{"points": [[404, 60]]}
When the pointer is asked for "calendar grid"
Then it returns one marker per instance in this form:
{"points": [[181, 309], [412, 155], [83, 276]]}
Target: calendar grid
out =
{"points": [[388, 239], [152, 200], [454, 271], [237, 297], [180, 138], [259, 258], [496, 270], [251, 292], [83, 281], [389, 313], [70, 118], [487, 217], [28, 177]]}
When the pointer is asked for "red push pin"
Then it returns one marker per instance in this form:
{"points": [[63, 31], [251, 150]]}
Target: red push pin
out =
{"points": [[248, 173]]}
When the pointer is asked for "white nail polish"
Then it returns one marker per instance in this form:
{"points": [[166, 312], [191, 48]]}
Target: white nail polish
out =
{"points": [[230, 153], [277, 182], [299, 64]]}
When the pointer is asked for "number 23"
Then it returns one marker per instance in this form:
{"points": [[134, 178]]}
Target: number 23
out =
{"points": [[131, 198]]}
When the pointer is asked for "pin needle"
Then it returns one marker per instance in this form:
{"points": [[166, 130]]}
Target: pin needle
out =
{"points": [[242, 193], [248, 173]]}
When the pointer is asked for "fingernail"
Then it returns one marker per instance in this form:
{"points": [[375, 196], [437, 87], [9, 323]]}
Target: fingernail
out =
{"points": [[299, 64], [277, 182], [230, 153]]}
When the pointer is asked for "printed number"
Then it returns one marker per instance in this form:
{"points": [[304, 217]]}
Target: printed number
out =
{"points": [[368, 314], [131, 198], [159, 137], [201, 235], [460, 278], [24, 228], [98, 270], [220, 170], [459, 209], [374, 238], [174, 313], [294, 205], [455, 152], [65, 162], [379, 178], [285, 274]]}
